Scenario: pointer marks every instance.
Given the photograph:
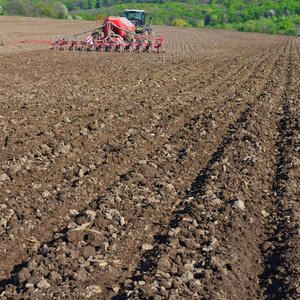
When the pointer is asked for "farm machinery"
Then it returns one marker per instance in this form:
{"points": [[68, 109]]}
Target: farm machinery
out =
{"points": [[138, 19], [110, 34]]}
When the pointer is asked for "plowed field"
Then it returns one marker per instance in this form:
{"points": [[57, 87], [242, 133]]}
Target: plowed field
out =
{"points": [[149, 176]]}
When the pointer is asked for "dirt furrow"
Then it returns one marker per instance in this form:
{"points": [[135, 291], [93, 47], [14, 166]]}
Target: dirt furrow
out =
{"points": [[161, 222], [86, 110], [77, 167], [149, 176], [281, 250], [73, 194], [211, 194], [115, 141]]}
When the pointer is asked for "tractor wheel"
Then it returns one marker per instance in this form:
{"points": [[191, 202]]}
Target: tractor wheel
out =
{"points": [[96, 34], [130, 37]]}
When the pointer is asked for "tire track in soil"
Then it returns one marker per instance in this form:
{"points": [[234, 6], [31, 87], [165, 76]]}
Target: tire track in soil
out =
{"points": [[144, 292], [281, 276], [76, 179]]}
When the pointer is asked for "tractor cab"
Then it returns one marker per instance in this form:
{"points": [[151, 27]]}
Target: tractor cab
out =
{"points": [[138, 19]]}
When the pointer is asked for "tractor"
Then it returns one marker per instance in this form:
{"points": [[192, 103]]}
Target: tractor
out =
{"points": [[128, 33], [138, 19]]}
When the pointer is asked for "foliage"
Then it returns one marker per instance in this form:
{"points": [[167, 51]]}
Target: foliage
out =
{"points": [[76, 17], [179, 23], [60, 10], [268, 16]]}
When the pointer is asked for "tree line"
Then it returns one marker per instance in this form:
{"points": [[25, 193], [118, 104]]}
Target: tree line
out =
{"points": [[274, 17]]}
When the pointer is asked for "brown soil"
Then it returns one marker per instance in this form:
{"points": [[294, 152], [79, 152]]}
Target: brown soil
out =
{"points": [[149, 176]]}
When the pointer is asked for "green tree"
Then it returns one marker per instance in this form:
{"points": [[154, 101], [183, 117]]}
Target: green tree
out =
{"points": [[237, 19], [213, 20], [76, 17], [166, 20], [48, 12], [158, 21], [224, 18], [200, 23], [286, 25], [60, 10], [266, 25], [249, 26], [92, 3], [179, 23], [16, 8], [84, 4], [226, 14]]}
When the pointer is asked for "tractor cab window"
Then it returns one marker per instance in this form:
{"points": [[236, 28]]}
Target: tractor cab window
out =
{"points": [[133, 15]]}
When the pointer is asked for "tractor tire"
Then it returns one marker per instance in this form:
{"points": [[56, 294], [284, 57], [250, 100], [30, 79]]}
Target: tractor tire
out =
{"points": [[96, 34], [130, 37]]}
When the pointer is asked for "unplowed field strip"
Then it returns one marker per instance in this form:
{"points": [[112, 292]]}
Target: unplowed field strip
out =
{"points": [[135, 169]]}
